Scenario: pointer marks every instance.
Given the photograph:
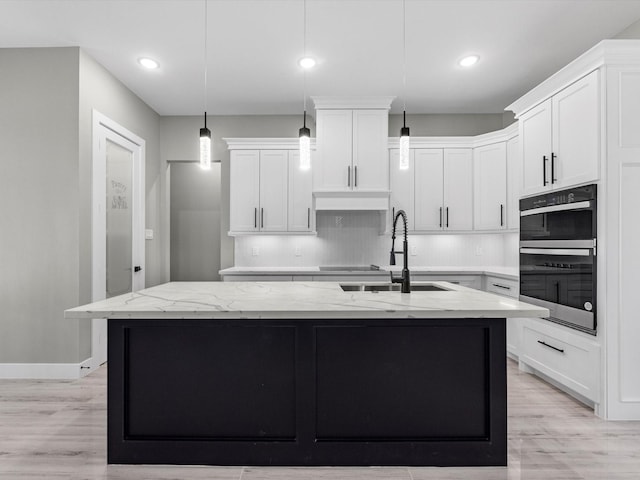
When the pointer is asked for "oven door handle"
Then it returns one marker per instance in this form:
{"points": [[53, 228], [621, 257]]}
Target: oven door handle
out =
{"points": [[557, 208], [575, 252]]}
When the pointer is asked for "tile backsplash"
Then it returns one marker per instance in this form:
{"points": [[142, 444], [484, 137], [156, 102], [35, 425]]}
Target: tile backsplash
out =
{"points": [[358, 238]]}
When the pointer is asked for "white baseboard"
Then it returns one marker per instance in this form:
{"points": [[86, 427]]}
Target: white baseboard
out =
{"points": [[46, 371]]}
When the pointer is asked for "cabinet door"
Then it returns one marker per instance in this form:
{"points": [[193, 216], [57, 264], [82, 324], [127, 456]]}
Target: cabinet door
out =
{"points": [[576, 133], [535, 145], [274, 179], [514, 186], [370, 150], [300, 196], [244, 201], [334, 149], [428, 189], [402, 186], [490, 186], [458, 189]]}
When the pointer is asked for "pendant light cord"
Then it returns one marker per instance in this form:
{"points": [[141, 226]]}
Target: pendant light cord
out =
{"points": [[404, 59], [205, 62], [304, 54]]}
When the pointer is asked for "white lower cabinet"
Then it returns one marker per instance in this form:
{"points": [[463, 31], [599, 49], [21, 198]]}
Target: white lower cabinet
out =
{"points": [[507, 288], [565, 356]]}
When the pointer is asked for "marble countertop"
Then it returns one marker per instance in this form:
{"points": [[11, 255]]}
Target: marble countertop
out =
{"points": [[273, 300], [510, 273]]}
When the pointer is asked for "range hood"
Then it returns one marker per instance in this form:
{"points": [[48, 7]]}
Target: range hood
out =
{"points": [[358, 200]]}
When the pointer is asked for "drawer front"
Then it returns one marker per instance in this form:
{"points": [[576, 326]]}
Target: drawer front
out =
{"points": [[565, 357], [501, 286]]}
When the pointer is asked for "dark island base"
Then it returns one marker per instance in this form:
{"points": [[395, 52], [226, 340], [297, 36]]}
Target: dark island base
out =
{"points": [[307, 392]]}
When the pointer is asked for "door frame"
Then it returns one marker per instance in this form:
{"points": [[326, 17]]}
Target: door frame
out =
{"points": [[106, 129]]}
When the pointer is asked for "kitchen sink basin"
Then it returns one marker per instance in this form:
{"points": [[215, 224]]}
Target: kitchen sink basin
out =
{"points": [[389, 287]]}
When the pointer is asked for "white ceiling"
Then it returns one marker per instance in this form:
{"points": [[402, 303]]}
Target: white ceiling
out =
{"points": [[254, 45]]}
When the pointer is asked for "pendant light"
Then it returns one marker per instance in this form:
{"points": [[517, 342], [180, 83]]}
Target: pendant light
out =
{"points": [[305, 134], [205, 133], [404, 131]]}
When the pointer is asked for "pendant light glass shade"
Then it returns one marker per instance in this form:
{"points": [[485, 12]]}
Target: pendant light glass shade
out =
{"points": [[205, 146], [305, 145], [404, 146]]}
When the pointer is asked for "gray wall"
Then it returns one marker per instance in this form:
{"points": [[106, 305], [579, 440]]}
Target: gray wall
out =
{"points": [[631, 32], [195, 222], [179, 141], [46, 98], [39, 205], [100, 90], [447, 125]]}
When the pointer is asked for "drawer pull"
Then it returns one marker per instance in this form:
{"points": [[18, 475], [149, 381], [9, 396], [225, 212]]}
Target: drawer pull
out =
{"points": [[550, 346], [501, 286]]}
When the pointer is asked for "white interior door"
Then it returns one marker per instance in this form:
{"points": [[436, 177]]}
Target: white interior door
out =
{"points": [[118, 220]]}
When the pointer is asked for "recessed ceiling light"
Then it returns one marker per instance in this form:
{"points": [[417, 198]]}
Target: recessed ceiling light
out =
{"points": [[469, 61], [307, 62], [149, 63]]}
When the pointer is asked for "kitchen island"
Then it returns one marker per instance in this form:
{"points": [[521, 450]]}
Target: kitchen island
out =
{"points": [[304, 373]]}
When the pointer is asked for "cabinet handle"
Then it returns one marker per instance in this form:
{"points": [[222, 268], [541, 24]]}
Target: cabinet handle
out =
{"points": [[553, 169], [447, 217], [544, 171], [501, 215], [348, 176], [355, 176], [501, 286], [550, 346], [262, 218], [255, 217], [308, 218], [440, 217]]}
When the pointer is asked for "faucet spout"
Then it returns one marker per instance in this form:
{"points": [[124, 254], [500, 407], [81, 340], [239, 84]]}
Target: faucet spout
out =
{"points": [[404, 279]]}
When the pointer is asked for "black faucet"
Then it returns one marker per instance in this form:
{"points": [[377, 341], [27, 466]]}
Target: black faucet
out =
{"points": [[404, 279]]}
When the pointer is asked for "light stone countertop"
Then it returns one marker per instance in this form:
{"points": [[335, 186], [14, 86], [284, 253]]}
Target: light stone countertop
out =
{"points": [[300, 300]]}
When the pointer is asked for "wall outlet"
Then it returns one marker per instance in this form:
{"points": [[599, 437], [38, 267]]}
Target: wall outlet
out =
{"points": [[479, 250], [298, 252], [255, 251], [148, 234], [413, 250], [339, 222]]}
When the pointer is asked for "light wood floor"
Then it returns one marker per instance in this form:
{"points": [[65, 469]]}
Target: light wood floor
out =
{"points": [[57, 430]]}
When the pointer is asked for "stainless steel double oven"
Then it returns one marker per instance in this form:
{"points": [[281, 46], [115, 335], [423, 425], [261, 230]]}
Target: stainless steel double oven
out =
{"points": [[558, 244]]}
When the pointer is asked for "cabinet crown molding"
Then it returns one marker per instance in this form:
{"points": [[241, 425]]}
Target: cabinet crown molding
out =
{"points": [[265, 143], [329, 103], [607, 52]]}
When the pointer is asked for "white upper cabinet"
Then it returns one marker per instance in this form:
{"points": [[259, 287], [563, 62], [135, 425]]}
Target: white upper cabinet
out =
{"points": [[352, 150], [370, 140], [429, 184], [458, 189], [576, 134], [514, 186], [334, 150], [244, 200], [300, 197], [535, 140], [443, 189], [274, 181], [490, 187], [560, 138], [269, 193]]}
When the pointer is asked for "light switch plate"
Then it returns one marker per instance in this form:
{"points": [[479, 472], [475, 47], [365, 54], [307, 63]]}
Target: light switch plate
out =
{"points": [[255, 251], [148, 234]]}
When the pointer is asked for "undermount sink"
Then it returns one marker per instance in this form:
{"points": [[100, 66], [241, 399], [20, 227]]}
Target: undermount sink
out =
{"points": [[349, 268], [388, 287]]}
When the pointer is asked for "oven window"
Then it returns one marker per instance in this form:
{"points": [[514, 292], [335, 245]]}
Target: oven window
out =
{"points": [[563, 225], [562, 279]]}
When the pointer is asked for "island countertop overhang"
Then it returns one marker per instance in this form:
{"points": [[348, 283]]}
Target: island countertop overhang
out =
{"points": [[300, 300]]}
